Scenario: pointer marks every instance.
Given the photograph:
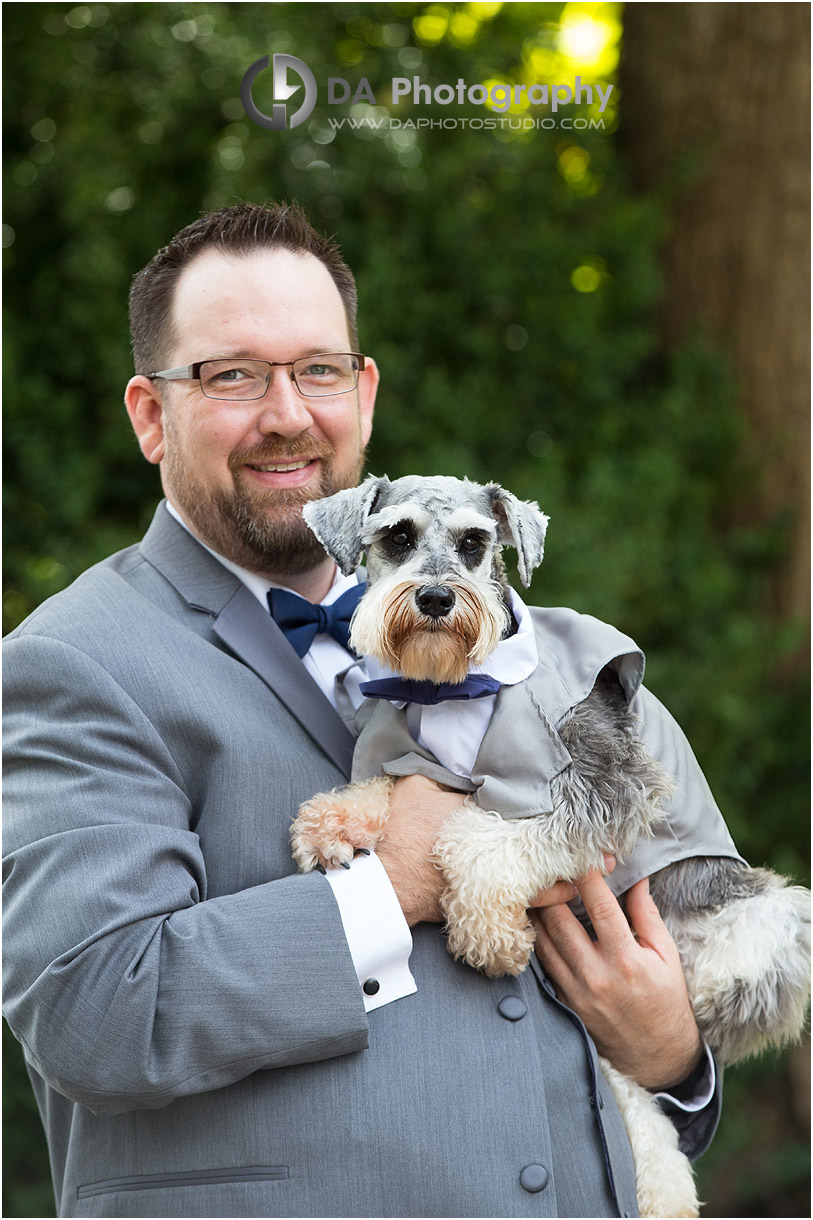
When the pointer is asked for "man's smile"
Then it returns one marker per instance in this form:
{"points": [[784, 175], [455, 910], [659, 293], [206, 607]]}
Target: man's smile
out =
{"points": [[282, 466], [295, 474]]}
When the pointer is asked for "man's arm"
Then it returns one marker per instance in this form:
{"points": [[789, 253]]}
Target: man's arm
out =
{"points": [[127, 984]]}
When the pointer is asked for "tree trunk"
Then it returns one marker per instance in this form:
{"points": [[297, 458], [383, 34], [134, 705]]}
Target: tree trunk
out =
{"points": [[715, 108]]}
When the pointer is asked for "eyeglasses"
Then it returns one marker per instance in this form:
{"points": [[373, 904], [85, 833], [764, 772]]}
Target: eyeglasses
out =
{"points": [[314, 376]]}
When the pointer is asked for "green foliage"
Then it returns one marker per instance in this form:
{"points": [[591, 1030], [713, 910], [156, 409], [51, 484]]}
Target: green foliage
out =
{"points": [[27, 1183], [123, 122]]}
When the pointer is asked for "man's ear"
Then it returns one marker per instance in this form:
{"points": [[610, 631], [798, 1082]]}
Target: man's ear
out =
{"points": [[147, 417], [368, 387]]}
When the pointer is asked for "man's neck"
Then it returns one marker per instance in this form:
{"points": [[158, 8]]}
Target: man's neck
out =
{"points": [[313, 585]]}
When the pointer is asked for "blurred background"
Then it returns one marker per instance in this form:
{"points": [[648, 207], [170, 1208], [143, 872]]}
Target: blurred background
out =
{"points": [[612, 320]]}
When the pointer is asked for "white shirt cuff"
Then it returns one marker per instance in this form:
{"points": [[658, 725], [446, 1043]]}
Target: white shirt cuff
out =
{"points": [[704, 1090], [377, 934]]}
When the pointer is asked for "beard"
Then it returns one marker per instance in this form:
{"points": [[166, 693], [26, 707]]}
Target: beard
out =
{"points": [[260, 529]]}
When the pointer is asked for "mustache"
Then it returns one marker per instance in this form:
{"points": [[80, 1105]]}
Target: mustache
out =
{"points": [[270, 451]]}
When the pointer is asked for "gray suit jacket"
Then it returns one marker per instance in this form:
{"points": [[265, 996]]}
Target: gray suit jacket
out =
{"points": [[187, 1004]]}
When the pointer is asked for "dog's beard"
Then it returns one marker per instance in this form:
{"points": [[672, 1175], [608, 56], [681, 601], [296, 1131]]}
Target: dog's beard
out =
{"points": [[260, 529], [436, 655], [389, 627]]}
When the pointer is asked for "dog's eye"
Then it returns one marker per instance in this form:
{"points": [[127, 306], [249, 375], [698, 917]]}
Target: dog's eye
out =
{"points": [[399, 538], [470, 544]]}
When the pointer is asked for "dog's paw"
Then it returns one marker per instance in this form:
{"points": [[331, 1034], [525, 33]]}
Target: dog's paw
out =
{"points": [[331, 827], [318, 834]]}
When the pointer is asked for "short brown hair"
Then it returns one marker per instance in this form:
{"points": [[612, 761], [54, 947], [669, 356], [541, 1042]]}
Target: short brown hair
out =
{"points": [[239, 229]]}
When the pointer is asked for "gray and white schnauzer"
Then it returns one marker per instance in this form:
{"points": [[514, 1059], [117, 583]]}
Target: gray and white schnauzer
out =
{"points": [[437, 604]]}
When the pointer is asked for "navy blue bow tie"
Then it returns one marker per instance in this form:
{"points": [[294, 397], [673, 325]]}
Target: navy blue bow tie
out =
{"points": [[475, 686], [301, 621]]}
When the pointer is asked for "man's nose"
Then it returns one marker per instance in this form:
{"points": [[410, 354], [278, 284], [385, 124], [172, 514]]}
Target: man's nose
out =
{"points": [[283, 409]]}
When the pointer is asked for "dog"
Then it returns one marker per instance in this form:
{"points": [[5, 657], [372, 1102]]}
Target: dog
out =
{"points": [[437, 606]]}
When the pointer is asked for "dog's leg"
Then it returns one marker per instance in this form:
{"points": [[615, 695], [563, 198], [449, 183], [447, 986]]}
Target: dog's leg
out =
{"points": [[663, 1175], [492, 869], [332, 825], [501, 947]]}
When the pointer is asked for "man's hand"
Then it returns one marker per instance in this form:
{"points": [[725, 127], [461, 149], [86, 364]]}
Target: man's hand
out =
{"points": [[418, 809], [627, 986]]}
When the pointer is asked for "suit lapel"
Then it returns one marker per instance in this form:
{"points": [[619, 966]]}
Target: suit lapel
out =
{"points": [[252, 635], [246, 630]]}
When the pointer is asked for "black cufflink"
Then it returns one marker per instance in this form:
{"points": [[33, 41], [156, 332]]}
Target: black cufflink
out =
{"points": [[371, 987]]}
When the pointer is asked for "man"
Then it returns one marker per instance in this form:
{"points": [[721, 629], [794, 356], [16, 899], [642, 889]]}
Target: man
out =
{"points": [[208, 1033]]}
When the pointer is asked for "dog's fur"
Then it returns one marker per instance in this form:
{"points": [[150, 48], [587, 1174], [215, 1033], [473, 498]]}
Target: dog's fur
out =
{"points": [[743, 934]]}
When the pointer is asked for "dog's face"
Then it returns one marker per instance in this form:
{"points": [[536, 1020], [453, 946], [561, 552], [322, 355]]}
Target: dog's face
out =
{"points": [[437, 596]]}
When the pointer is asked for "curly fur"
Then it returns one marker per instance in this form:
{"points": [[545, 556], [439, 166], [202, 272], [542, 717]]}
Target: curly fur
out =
{"points": [[610, 796], [331, 826], [663, 1175], [604, 802]]}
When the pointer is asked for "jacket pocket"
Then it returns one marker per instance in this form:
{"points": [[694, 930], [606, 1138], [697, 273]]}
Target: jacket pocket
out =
{"points": [[195, 1177]]}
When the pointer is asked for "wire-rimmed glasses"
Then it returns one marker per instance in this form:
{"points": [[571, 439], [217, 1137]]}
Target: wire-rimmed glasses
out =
{"points": [[318, 376]]}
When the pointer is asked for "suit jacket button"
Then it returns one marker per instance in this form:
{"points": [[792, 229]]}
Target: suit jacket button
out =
{"points": [[512, 1008], [371, 987], [533, 1178]]}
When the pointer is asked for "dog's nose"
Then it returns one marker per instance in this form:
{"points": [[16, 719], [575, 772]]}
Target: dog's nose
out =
{"points": [[435, 600]]}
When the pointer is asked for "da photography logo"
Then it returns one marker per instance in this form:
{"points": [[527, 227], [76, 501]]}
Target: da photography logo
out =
{"points": [[279, 119], [499, 97]]}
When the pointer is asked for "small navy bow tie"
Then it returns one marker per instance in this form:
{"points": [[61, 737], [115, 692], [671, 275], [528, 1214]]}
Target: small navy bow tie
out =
{"points": [[301, 620], [475, 686]]}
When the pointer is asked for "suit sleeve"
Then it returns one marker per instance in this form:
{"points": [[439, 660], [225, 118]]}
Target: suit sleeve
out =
{"points": [[127, 986], [695, 1128], [693, 826]]}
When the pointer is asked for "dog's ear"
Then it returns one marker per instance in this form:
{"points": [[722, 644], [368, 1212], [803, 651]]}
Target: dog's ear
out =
{"points": [[521, 524], [338, 520]]}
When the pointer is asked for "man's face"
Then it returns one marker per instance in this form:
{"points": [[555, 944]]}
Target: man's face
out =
{"points": [[271, 305]]}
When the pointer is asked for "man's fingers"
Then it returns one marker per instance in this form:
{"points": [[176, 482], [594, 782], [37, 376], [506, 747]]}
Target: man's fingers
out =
{"points": [[568, 936], [645, 917], [561, 892], [608, 920], [553, 963]]}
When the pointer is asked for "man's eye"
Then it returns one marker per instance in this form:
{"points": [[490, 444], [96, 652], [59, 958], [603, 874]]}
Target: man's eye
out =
{"points": [[230, 374], [319, 370]]}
